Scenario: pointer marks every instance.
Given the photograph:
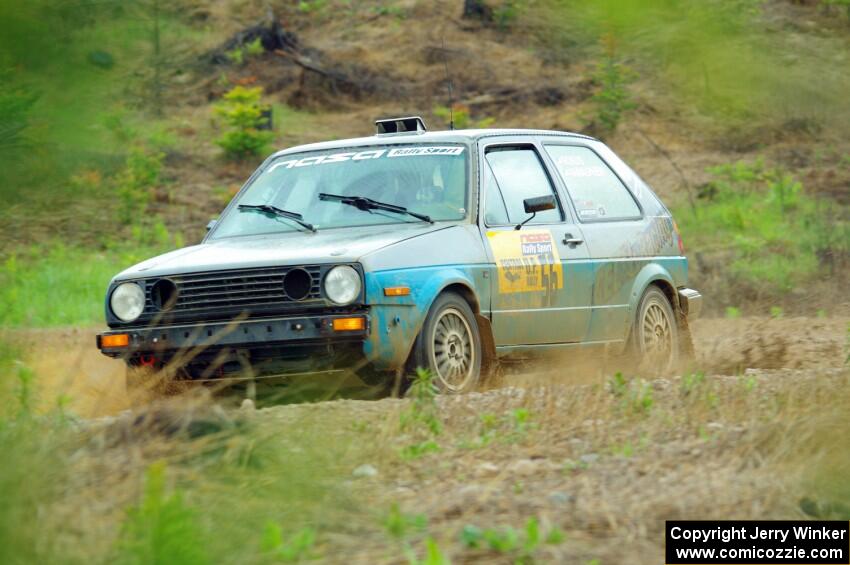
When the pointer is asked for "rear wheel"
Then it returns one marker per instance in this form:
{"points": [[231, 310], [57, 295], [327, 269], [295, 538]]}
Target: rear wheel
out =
{"points": [[449, 345], [656, 334]]}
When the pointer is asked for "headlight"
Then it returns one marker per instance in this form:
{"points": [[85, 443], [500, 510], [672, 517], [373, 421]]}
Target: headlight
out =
{"points": [[127, 301], [342, 284]]}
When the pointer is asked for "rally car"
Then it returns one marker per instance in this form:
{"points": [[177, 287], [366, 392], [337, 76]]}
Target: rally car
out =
{"points": [[407, 249]]}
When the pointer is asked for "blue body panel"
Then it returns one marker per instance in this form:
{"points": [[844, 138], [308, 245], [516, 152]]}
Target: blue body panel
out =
{"points": [[396, 321]]}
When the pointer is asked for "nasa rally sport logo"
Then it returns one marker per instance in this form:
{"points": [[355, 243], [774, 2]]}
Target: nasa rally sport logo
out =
{"points": [[368, 154], [527, 262]]}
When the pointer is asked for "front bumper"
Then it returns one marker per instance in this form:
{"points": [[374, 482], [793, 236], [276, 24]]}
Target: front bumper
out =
{"points": [[237, 334]]}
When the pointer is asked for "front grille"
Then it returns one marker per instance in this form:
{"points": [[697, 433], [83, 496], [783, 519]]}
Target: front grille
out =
{"points": [[238, 289], [224, 295]]}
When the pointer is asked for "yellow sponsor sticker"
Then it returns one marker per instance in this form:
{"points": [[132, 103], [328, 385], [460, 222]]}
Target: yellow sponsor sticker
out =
{"points": [[527, 261]]}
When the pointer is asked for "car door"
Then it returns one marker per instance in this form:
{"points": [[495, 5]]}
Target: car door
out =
{"points": [[541, 277], [613, 224]]}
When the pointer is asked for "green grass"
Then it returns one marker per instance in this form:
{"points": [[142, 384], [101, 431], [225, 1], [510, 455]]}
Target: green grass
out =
{"points": [[71, 123], [59, 285], [726, 59], [773, 235]]}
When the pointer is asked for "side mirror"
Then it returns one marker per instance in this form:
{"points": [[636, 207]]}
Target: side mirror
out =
{"points": [[537, 204], [211, 225]]}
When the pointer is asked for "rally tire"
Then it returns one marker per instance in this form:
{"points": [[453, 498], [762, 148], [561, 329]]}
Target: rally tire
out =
{"points": [[656, 339], [449, 345]]}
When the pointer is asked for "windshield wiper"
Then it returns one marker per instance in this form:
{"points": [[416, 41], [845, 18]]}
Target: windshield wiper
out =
{"points": [[367, 204], [280, 212]]}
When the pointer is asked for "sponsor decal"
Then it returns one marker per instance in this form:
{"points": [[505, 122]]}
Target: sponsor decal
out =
{"points": [[413, 151], [574, 166], [527, 261], [312, 160]]}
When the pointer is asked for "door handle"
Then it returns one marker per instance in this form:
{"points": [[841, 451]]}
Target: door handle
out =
{"points": [[572, 241]]}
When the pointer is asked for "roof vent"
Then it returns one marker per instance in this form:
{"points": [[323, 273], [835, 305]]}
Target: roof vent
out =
{"points": [[400, 125]]}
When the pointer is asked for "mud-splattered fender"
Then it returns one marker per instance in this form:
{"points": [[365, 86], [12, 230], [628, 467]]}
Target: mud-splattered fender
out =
{"points": [[397, 320], [667, 270]]}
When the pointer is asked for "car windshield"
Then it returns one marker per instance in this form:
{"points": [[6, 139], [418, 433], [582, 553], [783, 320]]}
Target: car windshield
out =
{"points": [[428, 180]]}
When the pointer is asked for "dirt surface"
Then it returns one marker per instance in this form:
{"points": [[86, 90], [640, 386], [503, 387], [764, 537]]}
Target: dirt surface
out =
{"points": [[604, 462], [94, 384]]}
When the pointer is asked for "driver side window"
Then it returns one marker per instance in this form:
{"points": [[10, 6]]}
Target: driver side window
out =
{"points": [[516, 173]]}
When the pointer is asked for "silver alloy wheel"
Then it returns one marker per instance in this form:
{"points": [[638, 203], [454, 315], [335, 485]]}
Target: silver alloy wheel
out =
{"points": [[453, 354], [657, 337]]}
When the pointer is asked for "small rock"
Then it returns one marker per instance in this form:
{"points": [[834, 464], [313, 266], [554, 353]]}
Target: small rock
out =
{"points": [[714, 426], [247, 405], [365, 470], [470, 490], [487, 469], [561, 498], [523, 467], [589, 458]]}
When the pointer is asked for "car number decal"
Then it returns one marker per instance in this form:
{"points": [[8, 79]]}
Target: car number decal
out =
{"points": [[527, 261]]}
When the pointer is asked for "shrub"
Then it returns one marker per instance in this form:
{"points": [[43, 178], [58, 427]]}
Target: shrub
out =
{"points": [[161, 529], [612, 99], [242, 113], [142, 173], [461, 118], [239, 54], [299, 546]]}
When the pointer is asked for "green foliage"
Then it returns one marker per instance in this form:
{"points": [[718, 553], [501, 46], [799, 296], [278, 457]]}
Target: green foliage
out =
{"points": [[512, 427], [24, 393], [776, 312], [506, 14], [400, 525], [242, 113], [394, 11], [732, 313], [433, 555], [16, 102], [134, 184], [691, 382], [312, 6], [298, 547], [840, 3], [423, 413], [721, 60], [240, 54], [777, 237], [417, 450], [461, 116], [522, 543], [612, 98], [634, 394], [162, 528], [31, 476], [31, 281]]}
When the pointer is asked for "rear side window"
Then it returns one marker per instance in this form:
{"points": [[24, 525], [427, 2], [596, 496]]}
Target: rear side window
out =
{"points": [[595, 190], [517, 173]]}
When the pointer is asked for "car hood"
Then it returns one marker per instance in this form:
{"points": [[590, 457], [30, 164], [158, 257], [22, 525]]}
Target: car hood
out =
{"points": [[342, 245]]}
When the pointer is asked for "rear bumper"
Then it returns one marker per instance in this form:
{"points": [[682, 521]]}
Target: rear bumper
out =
{"points": [[690, 301], [295, 331]]}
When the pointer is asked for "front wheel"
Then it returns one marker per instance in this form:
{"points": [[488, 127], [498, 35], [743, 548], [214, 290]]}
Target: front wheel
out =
{"points": [[656, 334], [449, 345]]}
